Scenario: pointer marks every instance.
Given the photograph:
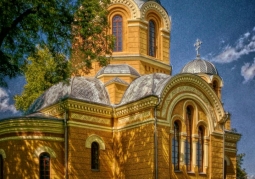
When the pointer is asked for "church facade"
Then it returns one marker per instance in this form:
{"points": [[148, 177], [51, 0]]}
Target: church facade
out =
{"points": [[130, 119]]}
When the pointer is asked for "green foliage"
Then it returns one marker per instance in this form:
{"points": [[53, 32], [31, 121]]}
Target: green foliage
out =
{"points": [[24, 24], [92, 41], [43, 70], [240, 172]]}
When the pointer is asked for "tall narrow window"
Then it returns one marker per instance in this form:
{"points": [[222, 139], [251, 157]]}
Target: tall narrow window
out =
{"points": [[152, 39], [44, 165], [225, 169], [175, 147], [188, 144], [117, 32], [95, 156], [200, 149], [1, 167]]}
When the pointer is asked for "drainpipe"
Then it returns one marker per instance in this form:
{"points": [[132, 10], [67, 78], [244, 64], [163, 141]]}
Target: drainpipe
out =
{"points": [[223, 127], [66, 145], [156, 139]]}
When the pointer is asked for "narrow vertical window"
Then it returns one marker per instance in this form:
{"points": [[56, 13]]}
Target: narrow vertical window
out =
{"points": [[1, 167], [117, 32], [175, 147], [188, 144], [200, 149], [44, 165], [225, 169], [152, 39], [95, 156]]}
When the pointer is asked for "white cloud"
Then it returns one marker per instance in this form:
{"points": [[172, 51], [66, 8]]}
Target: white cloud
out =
{"points": [[251, 177], [244, 45], [5, 102], [248, 71]]}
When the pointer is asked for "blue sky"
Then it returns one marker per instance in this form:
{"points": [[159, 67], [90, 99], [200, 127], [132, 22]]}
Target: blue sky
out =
{"points": [[227, 30]]}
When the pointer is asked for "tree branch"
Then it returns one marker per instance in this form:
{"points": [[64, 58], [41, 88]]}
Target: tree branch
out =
{"points": [[19, 19]]}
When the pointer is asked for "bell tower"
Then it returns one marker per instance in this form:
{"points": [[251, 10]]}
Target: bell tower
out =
{"points": [[142, 36]]}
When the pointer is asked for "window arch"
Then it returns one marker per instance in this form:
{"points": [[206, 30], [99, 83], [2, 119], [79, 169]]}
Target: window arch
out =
{"points": [[44, 165], [152, 39], [117, 31], [95, 156], [200, 149], [1, 166], [176, 147], [188, 143]]}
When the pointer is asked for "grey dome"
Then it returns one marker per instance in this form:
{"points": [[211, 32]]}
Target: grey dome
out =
{"points": [[200, 66], [146, 85], [118, 69], [141, 2], [80, 88]]}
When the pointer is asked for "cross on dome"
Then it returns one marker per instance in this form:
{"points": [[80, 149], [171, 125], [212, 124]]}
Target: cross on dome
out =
{"points": [[198, 45]]}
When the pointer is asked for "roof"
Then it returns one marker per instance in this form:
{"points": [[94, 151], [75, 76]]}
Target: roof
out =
{"points": [[144, 86], [118, 69], [81, 88], [199, 66]]}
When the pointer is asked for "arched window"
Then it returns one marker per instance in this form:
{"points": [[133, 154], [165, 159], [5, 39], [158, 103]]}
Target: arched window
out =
{"points": [[1, 166], [95, 156], [117, 32], [44, 165], [215, 86], [200, 149], [175, 147], [188, 143], [152, 39]]}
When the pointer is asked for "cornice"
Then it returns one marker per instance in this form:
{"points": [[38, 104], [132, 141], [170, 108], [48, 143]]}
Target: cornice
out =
{"points": [[136, 106], [232, 137], [79, 106], [89, 126], [32, 125], [48, 138], [93, 119], [145, 59]]}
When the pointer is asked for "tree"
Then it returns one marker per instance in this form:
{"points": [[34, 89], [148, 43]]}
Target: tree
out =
{"points": [[24, 24], [43, 70], [240, 172], [92, 41]]}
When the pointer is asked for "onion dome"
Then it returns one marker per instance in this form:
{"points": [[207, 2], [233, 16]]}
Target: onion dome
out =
{"points": [[117, 69], [200, 66], [144, 86], [79, 88]]}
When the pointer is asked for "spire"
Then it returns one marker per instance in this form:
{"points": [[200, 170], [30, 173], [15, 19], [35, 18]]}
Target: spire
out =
{"points": [[198, 45]]}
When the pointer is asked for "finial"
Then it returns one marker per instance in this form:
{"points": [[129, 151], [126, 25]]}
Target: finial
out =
{"points": [[198, 45]]}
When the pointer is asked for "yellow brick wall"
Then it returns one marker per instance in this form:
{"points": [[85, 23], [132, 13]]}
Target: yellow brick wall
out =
{"points": [[216, 157], [79, 158], [20, 161], [134, 150]]}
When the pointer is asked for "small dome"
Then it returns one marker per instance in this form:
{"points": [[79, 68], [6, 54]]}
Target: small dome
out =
{"points": [[80, 88], [117, 69], [146, 85], [200, 66]]}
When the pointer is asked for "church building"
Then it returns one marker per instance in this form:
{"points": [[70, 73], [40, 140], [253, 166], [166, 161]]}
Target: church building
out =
{"points": [[130, 119]]}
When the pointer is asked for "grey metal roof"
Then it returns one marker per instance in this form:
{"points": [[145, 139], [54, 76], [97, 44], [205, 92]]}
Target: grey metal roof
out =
{"points": [[146, 85], [200, 66], [141, 2], [116, 79], [118, 69], [81, 88]]}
